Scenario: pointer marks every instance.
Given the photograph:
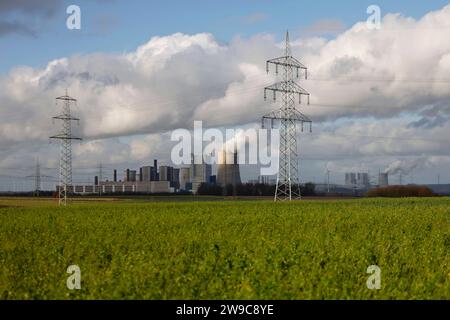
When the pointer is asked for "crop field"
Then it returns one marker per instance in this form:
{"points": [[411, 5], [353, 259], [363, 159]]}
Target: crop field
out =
{"points": [[134, 249]]}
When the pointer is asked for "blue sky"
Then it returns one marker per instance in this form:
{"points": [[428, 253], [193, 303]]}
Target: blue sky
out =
{"points": [[121, 26]]}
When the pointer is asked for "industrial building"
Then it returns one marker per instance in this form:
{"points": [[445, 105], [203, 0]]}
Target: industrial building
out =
{"points": [[199, 173], [108, 187], [184, 178], [228, 169], [264, 180], [383, 179], [151, 180], [357, 179]]}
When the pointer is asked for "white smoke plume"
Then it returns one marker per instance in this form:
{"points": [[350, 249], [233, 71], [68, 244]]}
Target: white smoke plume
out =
{"points": [[405, 167]]}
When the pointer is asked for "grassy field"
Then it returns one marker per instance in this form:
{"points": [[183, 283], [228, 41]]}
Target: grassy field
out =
{"points": [[226, 249]]}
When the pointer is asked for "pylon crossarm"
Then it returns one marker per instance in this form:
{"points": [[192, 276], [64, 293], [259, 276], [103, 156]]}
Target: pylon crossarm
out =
{"points": [[65, 137], [287, 87], [298, 116], [66, 98], [63, 117], [279, 115], [288, 61]]}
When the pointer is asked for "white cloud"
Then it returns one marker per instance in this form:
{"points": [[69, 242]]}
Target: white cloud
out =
{"points": [[394, 80]]}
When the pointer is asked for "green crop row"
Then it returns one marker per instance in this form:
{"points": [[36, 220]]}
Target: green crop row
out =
{"points": [[226, 250]]}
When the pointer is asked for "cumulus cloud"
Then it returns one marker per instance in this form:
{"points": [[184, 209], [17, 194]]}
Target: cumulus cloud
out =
{"points": [[364, 83]]}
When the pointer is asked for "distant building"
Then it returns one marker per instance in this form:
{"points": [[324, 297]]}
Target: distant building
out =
{"points": [[228, 169], [111, 187], [362, 179], [171, 174], [184, 178], [358, 179], [350, 179], [129, 175], [264, 179], [383, 180], [146, 173], [199, 173], [165, 173]]}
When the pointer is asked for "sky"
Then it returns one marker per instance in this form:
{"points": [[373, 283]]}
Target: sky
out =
{"points": [[121, 26], [140, 69]]}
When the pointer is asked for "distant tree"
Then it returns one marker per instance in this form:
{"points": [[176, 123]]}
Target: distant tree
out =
{"points": [[401, 191], [309, 189], [209, 190]]}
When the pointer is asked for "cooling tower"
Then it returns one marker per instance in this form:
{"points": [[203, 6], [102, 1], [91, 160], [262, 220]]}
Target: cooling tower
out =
{"points": [[228, 169], [383, 180]]}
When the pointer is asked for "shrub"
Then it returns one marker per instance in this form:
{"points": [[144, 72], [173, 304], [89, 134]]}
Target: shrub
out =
{"points": [[401, 191]]}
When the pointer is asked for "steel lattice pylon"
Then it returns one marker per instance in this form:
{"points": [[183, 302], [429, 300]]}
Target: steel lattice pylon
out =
{"points": [[66, 137], [288, 183]]}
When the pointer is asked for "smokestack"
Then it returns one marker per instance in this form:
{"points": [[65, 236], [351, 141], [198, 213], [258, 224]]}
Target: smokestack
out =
{"points": [[155, 165], [115, 175], [96, 180]]}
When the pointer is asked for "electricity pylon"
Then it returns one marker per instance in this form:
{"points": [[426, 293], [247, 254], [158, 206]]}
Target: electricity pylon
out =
{"points": [[66, 137], [288, 181], [38, 178], [100, 178]]}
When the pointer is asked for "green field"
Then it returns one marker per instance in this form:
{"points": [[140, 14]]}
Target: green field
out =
{"points": [[133, 249]]}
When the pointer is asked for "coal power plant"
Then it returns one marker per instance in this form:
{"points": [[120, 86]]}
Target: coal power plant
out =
{"points": [[228, 169]]}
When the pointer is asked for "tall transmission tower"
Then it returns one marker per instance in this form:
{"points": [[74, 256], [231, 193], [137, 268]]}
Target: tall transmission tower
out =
{"points": [[66, 137], [38, 178], [100, 178], [37, 181], [328, 180], [288, 181]]}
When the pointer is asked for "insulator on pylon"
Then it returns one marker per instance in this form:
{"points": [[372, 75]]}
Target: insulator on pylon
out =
{"points": [[302, 126], [276, 69], [308, 99], [306, 74], [271, 122], [310, 127], [274, 96], [300, 98], [265, 95], [267, 67], [297, 72]]}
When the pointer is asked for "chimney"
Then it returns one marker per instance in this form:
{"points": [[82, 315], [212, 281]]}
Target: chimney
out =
{"points": [[115, 175], [96, 180]]}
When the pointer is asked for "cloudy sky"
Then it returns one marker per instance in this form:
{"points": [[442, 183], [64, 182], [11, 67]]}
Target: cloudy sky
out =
{"points": [[140, 69]]}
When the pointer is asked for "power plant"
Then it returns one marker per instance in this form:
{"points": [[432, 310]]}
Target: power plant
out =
{"points": [[228, 169], [360, 179], [150, 179], [383, 179]]}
